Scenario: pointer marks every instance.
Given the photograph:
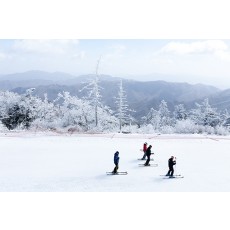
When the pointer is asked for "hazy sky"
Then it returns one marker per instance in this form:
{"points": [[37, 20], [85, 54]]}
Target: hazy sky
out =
{"points": [[192, 61]]}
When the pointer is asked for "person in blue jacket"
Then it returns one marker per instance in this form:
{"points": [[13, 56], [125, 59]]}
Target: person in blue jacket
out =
{"points": [[116, 161]]}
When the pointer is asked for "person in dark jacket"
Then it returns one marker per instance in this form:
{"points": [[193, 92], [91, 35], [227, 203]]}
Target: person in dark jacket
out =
{"points": [[144, 150], [148, 154], [116, 161], [171, 163]]}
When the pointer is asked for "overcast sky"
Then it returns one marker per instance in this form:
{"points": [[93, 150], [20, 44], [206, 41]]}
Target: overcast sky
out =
{"points": [[192, 61]]}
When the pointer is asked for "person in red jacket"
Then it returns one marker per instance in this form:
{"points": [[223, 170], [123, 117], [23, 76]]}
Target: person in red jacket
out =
{"points": [[144, 150]]}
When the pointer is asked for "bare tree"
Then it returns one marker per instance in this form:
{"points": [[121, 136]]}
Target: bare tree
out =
{"points": [[94, 92]]}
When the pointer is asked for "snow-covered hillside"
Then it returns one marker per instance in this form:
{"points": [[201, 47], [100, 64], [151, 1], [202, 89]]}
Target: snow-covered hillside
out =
{"points": [[48, 162]]}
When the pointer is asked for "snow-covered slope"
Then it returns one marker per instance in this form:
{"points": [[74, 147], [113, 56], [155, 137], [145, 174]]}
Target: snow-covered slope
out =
{"points": [[41, 162]]}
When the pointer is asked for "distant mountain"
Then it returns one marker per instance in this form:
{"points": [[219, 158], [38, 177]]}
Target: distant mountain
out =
{"points": [[40, 78], [87, 78], [220, 100], [145, 95], [36, 74], [141, 95], [31, 79]]}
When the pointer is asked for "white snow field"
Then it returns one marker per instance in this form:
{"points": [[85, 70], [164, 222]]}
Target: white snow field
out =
{"points": [[38, 162]]}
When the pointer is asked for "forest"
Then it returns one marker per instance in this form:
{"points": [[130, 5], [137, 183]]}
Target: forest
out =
{"points": [[72, 114]]}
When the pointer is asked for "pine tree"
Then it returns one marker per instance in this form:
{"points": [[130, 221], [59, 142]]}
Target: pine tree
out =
{"points": [[205, 115], [152, 118], [122, 106], [164, 114], [158, 118], [180, 112], [225, 118]]}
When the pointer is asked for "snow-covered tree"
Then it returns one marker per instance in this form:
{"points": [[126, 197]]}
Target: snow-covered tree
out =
{"points": [[47, 114], [180, 112], [16, 110], [225, 118], [75, 111], [205, 115], [152, 118], [164, 114], [94, 95], [70, 112], [185, 126], [159, 119], [122, 107], [79, 113]]}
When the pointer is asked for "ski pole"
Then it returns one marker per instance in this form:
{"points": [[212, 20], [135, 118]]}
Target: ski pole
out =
{"points": [[175, 166]]}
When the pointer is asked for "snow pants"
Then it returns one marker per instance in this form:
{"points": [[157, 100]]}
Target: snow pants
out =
{"points": [[171, 171], [116, 168], [148, 160], [144, 156]]}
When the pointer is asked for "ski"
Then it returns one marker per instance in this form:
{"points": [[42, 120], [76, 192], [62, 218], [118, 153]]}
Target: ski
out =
{"points": [[118, 173], [150, 165], [144, 159], [173, 177]]}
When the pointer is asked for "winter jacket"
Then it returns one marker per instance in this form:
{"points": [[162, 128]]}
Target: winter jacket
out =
{"points": [[116, 158], [171, 162], [148, 151], [144, 147]]}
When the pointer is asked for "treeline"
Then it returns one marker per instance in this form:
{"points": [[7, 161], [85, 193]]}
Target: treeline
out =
{"points": [[78, 114]]}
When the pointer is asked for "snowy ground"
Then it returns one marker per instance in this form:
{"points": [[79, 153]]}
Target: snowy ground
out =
{"points": [[51, 163]]}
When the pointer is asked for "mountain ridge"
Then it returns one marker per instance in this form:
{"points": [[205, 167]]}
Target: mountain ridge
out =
{"points": [[141, 95]]}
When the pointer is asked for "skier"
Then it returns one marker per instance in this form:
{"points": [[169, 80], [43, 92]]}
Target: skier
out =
{"points": [[116, 161], [144, 150], [148, 154], [171, 162]]}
